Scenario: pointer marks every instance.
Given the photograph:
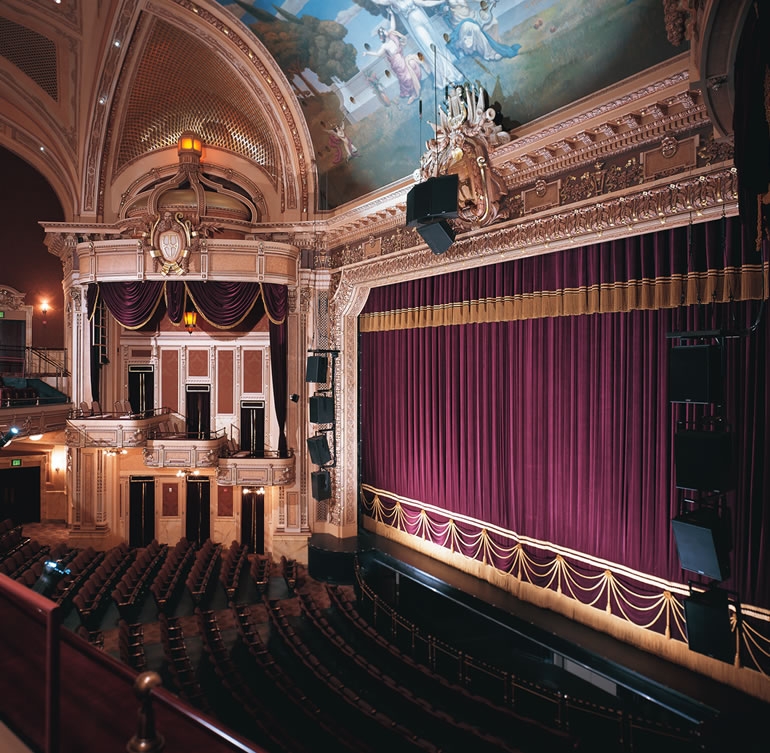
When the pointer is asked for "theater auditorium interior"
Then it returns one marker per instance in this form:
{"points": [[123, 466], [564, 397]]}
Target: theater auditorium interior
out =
{"points": [[384, 375]]}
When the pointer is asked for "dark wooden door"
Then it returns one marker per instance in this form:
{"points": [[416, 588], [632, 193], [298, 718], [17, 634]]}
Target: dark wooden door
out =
{"points": [[198, 527], [253, 521], [141, 510]]}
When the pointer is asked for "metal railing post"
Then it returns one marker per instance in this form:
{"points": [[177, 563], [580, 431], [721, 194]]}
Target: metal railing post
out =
{"points": [[146, 739]]}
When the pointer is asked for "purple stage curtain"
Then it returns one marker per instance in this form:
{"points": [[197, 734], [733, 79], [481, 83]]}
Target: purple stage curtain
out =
{"points": [[559, 428], [706, 262], [132, 303]]}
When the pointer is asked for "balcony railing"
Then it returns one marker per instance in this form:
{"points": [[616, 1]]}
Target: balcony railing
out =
{"points": [[33, 362], [167, 443], [60, 694]]}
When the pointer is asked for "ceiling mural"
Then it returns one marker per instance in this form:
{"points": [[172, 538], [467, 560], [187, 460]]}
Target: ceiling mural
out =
{"points": [[371, 75]]}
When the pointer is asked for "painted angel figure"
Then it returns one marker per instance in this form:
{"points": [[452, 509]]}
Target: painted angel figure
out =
{"points": [[474, 32], [418, 24], [407, 68], [340, 143]]}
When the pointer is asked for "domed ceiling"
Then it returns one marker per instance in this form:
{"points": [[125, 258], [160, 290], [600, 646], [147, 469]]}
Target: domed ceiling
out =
{"points": [[371, 74]]}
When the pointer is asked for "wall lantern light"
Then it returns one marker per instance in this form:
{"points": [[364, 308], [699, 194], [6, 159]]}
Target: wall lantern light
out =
{"points": [[190, 319]]}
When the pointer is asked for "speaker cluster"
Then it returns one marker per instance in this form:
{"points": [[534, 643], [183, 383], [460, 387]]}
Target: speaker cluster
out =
{"points": [[704, 471], [321, 413], [428, 207]]}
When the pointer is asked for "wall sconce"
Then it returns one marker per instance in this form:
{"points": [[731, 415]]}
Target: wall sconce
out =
{"points": [[44, 310], [58, 459], [187, 473], [258, 490], [189, 143], [190, 319]]}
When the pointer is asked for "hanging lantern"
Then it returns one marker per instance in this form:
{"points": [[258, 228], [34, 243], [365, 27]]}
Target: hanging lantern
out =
{"points": [[190, 320]]}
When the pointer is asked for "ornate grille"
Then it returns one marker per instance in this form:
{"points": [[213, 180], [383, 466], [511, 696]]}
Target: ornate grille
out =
{"points": [[322, 320], [32, 53], [181, 84]]}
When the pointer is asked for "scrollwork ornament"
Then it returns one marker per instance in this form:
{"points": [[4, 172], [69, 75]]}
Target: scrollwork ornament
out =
{"points": [[669, 147]]}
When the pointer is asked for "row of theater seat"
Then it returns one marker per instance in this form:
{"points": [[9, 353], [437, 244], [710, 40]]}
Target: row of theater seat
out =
{"points": [[443, 708], [80, 565], [10, 540], [260, 571], [172, 572], [17, 395], [180, 667], [27, 556], [370, 720], [233, 561], [289, 572], [477, 709], [96, 591], [232, 680], [282, 716], [135, 582], [131, 645], [200, 578]]}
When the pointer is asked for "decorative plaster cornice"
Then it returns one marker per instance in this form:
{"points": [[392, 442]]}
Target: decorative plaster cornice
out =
{"points": [[671, 203], [615, 110], [604, 140], [640, 118]]}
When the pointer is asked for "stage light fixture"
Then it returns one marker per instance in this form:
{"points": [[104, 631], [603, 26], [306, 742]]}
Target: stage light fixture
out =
{"points": [[9, 436]]}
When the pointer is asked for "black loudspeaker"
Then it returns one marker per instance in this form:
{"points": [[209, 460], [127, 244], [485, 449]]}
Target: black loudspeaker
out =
{"points": [[708, 624], [435, 199], [317, 369], [438, 235], [704, 460], [703, 543], [321, 482], [321, 409], [318, 448], [695, 374]]}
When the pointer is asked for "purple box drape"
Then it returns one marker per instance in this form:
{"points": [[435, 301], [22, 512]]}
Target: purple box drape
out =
{"points": [[223, 304]]}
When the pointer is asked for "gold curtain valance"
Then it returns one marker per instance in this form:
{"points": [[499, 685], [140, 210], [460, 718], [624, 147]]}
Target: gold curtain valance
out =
{"points": [[747, 282]]}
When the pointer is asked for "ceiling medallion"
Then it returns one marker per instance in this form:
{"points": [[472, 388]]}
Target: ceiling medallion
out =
{"points": [[171, 240]]}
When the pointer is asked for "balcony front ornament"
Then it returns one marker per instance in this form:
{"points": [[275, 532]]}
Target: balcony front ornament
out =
{"points": [[171, 240]]}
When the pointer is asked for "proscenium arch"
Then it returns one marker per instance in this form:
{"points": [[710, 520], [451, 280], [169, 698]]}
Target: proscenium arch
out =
{"points": [[715, 51]]}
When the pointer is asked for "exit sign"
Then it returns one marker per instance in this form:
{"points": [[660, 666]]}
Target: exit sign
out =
{"points": [[2, 314], [15, 462]]}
